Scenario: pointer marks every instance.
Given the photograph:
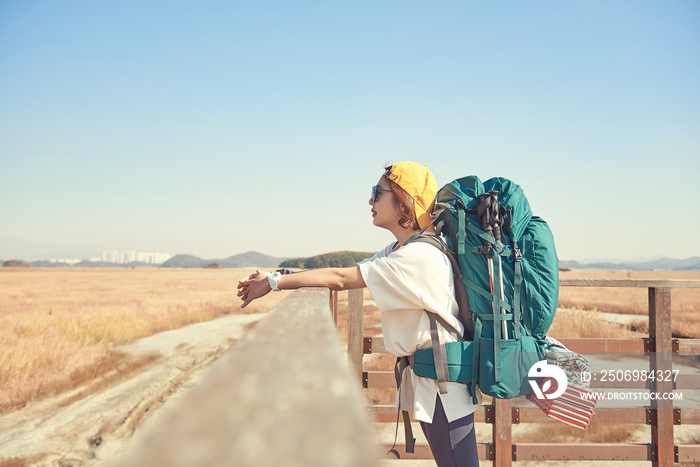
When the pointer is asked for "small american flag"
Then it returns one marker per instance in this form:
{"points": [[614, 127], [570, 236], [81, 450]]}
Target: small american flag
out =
{"points": [[571, 408]]}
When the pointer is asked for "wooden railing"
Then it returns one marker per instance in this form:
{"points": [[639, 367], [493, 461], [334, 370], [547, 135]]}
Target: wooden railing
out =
{"points": [[661, 415], [283, 395]]}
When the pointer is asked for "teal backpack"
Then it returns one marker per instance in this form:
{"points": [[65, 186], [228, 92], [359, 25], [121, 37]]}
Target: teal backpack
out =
{"points": [[506, 265]]}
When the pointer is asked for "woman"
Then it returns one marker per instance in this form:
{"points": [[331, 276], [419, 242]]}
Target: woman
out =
{"points": [[404, 280]]}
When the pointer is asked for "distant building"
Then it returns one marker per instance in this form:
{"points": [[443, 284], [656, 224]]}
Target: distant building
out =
{"points": [[123, 257], [70, 261]]}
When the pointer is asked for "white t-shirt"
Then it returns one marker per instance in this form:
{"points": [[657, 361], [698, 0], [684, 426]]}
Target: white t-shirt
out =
{"points": [[404, 283]]}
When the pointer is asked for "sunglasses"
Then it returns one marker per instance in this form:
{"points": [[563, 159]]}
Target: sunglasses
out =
{"points": [[375, 192]]}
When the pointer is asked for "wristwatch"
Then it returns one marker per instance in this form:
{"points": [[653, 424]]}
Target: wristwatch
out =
{"points": [[272, 279]]}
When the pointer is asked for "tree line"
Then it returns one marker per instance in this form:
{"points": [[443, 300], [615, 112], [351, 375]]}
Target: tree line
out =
{"points": [[339, 259]]}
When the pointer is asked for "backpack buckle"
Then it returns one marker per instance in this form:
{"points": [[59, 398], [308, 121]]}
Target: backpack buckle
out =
{"points": [[510, 254], [483, 250], [517, 254]]}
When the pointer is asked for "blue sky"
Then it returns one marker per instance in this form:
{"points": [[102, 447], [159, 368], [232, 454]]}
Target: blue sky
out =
{"points": [[214, 128]]}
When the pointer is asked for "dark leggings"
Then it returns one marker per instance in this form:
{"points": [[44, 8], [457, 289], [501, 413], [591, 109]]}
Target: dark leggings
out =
{"points": [[453, 444]]}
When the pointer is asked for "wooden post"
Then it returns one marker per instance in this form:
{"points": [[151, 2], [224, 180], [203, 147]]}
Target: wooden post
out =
{"points": [[502, 434], [355, 330], [660, 364], [334, 307]]}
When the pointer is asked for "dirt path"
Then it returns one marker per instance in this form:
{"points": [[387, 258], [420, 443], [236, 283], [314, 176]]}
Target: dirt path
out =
{"points": [[95, 428]]}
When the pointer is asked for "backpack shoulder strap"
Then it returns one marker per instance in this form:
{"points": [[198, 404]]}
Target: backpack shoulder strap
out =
{"points": [[460, 291]]}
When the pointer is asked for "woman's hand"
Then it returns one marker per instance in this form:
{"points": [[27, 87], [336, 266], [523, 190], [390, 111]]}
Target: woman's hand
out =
{"points": [[253, 286]]}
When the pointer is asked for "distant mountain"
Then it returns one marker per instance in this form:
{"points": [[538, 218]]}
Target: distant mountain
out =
{"points": [[657, 264], [185, 261], [13, 263], [242, 260], [249, 259], [619, 260]]}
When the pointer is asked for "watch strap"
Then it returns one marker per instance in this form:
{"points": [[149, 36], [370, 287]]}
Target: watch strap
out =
{"points": [[272, 279]]}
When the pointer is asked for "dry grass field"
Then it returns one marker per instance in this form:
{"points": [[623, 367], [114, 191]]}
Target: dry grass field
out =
{"points": [[685, 303], [62, 328]]}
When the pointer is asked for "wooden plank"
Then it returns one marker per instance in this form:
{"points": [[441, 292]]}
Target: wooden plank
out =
{"points": [[502, 434], [275, 398], [385, 414], [687, 381], [422, 451], [380, 379], [632, 384], [645, 283], [355, 330], [583, 451], [533, 415], [688, 346], [378, 345], [688, 453], [690, 416], [588, 345], [660, 331], [334, 307]]}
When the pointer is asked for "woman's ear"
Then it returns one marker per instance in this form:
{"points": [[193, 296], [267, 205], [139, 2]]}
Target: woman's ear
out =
{"points": [[407, 220]]}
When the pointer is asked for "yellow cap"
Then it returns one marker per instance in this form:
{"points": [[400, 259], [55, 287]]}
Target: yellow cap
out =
{"points": [[419, 183]]}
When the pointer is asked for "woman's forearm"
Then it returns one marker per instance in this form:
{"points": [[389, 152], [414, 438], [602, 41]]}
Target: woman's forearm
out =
{"points": [[256, 285], [333, 278]]}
